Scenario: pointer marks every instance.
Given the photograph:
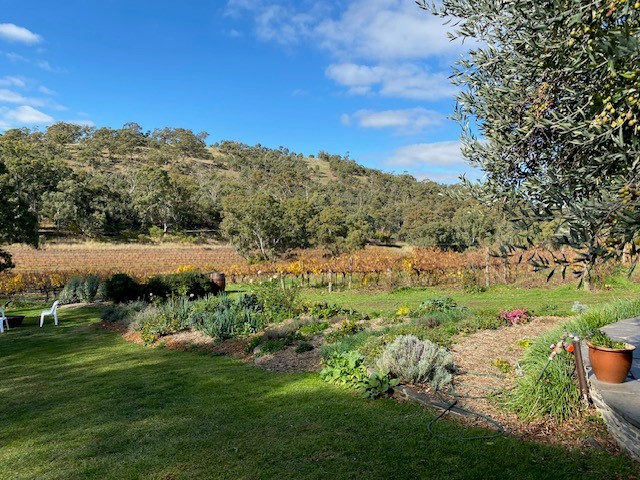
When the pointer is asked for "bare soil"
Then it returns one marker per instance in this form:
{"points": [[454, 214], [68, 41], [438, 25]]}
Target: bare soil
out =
{"points": [[477, 354]]}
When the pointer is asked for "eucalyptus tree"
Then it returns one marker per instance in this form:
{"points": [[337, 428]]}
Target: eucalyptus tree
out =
{"points": [[553, 88], [19, 224]]}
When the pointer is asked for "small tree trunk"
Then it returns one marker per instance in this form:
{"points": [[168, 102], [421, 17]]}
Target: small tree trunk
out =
{"points": [[487, 261]]}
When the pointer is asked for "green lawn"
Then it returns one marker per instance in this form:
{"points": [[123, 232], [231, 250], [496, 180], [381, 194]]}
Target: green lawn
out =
{"points": [[80, 402], [547, 301]]}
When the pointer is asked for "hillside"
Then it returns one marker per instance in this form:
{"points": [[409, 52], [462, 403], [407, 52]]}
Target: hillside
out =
{"points": [[122, 183]]}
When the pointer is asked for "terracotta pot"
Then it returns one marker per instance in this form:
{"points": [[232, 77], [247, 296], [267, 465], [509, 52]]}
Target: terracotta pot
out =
{"points": [[611, 365]]}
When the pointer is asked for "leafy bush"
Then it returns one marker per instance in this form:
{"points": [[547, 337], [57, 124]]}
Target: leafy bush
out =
{"points": [[346, 328], [71, 290], [313, 329], [515, 317], [80, 289], [163, 319], [344, 368], [222, 317], [276, 303], [555, 393], [326, 311], [121, 288], [352, 342], [578, 307], [601, 339], [416, 361], [376, 385], [123, 311], [440, 304], [272, 346], [183, 284]]}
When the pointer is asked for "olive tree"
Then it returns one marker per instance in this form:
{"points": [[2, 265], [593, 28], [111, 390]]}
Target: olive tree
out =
{"points": [[549, 107]]}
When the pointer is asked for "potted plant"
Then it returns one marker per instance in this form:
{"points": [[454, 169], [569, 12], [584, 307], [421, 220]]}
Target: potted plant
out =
{"points": [[610, 360]]}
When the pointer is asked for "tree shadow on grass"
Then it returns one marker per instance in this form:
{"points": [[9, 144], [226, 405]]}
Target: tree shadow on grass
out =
{"points": [[82, 403]]}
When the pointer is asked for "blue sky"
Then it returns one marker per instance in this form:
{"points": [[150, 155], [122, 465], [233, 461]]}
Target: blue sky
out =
{"points": [[363, 77]]}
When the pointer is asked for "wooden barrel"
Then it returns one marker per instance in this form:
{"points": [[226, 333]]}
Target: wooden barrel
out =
{"points": [[219, 279]]}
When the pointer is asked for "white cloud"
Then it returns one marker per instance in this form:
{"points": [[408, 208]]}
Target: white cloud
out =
{"points": [[9, 96], [440, 161], [82, 121], [406, 121], [23, 115], [401, 81], [14, 33], [380, 46], [15, 57], [439, 154], [385, 30], [46, 91], [11, 81]]}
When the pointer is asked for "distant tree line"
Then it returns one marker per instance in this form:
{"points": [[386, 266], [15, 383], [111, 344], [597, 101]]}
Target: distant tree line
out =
{"points": [[104, 182]]}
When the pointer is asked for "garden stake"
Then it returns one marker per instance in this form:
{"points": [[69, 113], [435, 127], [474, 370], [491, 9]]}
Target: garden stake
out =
{"points": [[577, 353]]}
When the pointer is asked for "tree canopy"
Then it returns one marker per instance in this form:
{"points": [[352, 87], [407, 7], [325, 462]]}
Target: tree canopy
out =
{"points": [[127, 182], [553, 88], [17, 223]]}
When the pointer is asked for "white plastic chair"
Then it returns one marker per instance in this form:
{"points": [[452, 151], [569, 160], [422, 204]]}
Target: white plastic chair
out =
{"points": [[3, 320], [52, 311]]}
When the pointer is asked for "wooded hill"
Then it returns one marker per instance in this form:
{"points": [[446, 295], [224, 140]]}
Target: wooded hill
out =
{"points": [[120, 183]]}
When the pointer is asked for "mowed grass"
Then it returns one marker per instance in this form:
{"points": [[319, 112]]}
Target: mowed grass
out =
{"points": [[80, 402], [543, 301]]}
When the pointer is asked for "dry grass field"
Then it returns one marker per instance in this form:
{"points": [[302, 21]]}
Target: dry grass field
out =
{"points": [[135, 259]]}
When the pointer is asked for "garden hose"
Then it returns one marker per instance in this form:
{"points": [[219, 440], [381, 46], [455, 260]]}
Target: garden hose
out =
{"points": [[501, 430]]}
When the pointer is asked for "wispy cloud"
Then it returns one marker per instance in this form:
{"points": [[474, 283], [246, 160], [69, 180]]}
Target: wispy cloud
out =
{"points": [[12, 81], [46, 91], [440, 161], [404, 122], [401, 81], [16, 34], [10, 96], [385, 31], [380, 46], [23, 115]]}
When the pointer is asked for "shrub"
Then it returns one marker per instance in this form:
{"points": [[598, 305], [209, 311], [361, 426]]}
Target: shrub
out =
{"points": [[375, 385], [417, 361], [347, 327], [344, 368], [313, 329], [70, 292], [119, 312], [578, 307], [164, 319], [554, 393], [276, 303], [121, 288], [80, 289], [515, 317], [440, 304], [221, 317], [272, 346], [345, 344], [183, 284], [326, 311]]}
